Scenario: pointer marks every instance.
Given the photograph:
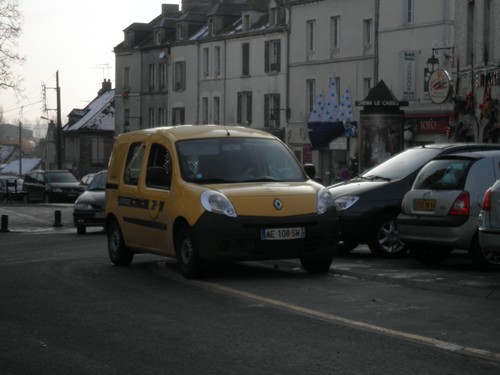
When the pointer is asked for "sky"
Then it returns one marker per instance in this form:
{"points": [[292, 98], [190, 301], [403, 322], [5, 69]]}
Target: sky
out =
{"points": [[76, 39]]}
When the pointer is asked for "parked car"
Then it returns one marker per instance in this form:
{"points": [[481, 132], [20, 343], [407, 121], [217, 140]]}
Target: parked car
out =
{"points": [[11, 188], [51, 186], [489, 222], [215, 193], [440, 212], [88, 210], [86, 180], [369, 204]]}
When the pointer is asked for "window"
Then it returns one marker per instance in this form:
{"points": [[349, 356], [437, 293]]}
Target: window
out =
{"points": [[159, 171], [310, 94], [163, 76], [97, 151], [244, 115], [126, 120], [273, 16], [126, 78], [409, 12], [152, 76], [133, 163], [204, 110], [217, 61], [335, 33], [487, 37], [180, 32], [272, 56], [367, 35], [151, 118], [158, 37], [245, 58], [470, 32], [180, 76], [311, 37], [205, 62], [162, 117], [216, 119], [212, 27], [178, 116], [272, 110], [367, 85], [246, 22]]}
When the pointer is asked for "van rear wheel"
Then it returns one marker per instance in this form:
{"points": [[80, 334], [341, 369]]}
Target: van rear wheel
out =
{"points": [[119, 254], [188, 255]]}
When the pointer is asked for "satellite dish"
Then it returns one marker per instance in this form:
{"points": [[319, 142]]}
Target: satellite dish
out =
{"points": [[162, 55]]}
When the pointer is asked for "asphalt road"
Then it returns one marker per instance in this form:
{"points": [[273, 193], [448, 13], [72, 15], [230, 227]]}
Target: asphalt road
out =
{"points": [[64, 309]]}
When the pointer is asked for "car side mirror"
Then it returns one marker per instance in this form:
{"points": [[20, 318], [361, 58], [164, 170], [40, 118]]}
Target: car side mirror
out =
{"points": [[310, 170]]}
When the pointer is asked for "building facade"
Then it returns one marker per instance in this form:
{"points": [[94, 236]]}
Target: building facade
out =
{"points": [[266, 63]]}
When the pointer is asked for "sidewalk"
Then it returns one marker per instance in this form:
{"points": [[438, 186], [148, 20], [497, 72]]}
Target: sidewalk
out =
{"points": [[19, 217]]}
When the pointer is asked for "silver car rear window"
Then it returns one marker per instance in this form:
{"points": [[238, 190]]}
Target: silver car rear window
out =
{"points": [[443, 174]]}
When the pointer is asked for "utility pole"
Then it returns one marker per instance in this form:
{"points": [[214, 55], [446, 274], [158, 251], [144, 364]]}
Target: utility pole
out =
{"points": [[59, 125]]}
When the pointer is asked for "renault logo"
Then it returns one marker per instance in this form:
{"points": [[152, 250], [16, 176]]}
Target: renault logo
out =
{"points": [[277, 204]]}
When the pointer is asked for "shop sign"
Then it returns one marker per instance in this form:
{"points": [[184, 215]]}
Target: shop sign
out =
{"points": [[439, 86], [409, 71], [428, 124]]}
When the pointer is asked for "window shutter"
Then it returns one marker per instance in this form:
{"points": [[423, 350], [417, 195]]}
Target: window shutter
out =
{"points": [[266, 110], [249, 107], [238, 109]]}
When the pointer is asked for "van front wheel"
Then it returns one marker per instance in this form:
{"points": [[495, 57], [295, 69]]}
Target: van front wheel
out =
{"points": [[188, 255], [320, 264]]}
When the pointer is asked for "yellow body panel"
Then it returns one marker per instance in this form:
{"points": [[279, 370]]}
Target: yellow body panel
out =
{"points": [[147, 216]]}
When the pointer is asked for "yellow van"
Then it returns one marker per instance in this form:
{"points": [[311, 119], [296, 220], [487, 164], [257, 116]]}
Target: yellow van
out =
{"points": [[207, 192]]}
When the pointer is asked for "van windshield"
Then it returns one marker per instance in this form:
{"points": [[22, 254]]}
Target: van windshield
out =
{"points": [[230, 160]]}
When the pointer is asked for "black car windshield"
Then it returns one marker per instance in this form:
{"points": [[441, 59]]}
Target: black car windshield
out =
{"points": [[402, 164], [60, 177], [234, 159], [98, 182]]}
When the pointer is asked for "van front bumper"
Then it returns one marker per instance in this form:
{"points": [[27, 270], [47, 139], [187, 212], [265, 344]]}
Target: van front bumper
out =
{"points": [[220, 237]]}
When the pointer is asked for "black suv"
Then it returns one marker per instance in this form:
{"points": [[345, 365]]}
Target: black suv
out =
{"points": [[51, 186], [368, 204]]}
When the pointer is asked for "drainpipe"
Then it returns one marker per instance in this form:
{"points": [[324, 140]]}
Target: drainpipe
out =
{"points": [[376, 36]]}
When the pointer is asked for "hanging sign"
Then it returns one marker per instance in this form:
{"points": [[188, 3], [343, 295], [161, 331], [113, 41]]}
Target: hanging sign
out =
{"points": [[439, 86]]}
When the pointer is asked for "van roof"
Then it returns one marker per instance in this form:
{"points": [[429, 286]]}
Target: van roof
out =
{"points": [[180, 132]]}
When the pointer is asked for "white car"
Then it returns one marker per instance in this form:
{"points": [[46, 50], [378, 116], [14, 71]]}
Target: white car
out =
{"points": [[489, 221]]}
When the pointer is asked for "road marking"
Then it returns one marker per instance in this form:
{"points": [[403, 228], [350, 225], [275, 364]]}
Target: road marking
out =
{"points": [[428, 341]]}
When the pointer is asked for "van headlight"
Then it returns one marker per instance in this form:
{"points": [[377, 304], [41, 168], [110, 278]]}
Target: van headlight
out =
{"points": [[345, 202], [217, 203], [325, 200]]}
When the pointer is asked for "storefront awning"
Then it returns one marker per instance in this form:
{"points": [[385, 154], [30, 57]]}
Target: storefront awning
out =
{"points": [[322, 133]]}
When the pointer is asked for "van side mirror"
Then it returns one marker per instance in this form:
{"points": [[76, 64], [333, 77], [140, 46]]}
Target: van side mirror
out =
{"points": [[310, 170]]}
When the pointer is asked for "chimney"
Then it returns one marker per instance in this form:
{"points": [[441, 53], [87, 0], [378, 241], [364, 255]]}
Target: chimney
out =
{"points": [[106, 86]]}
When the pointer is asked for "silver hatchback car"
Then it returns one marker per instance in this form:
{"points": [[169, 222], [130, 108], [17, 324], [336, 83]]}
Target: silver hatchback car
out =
{"points": [[489, 221], [440, 212]]}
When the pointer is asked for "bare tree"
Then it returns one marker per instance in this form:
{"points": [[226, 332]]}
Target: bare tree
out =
{"points": [[10, 30]]}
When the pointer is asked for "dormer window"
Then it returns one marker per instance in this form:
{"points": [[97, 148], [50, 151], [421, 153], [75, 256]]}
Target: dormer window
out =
{"points": [[180, 32], [273, 15], [247, 24], [158, 37], [129, 38], [212, 27]]}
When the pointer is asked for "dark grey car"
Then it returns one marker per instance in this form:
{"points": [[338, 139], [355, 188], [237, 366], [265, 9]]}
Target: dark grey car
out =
{"points": [[88, 210], [58, 185]]}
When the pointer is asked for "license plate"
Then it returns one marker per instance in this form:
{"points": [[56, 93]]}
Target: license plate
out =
{"points": [[282, 233], [100, 215], [424, 204]]}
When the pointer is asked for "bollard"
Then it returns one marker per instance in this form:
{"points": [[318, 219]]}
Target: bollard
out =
{"points": [[5, 223], [57, 218]]}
